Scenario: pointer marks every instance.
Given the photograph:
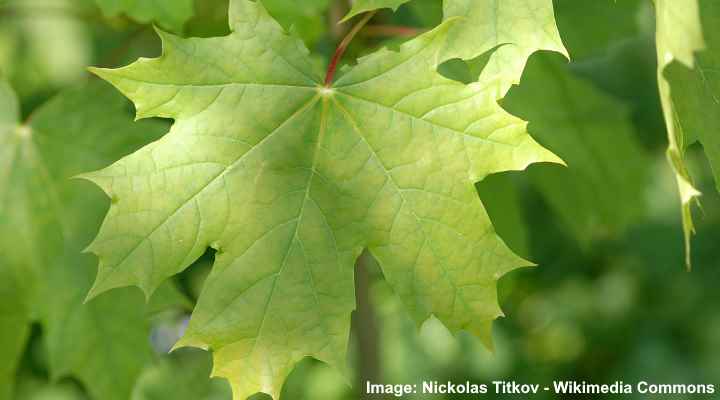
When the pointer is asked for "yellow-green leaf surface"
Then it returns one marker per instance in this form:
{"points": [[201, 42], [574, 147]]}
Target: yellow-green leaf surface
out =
{"points": [[171, 14], [45, 220], [290, 180], [688, 46], [518, 27], [595, 195]]}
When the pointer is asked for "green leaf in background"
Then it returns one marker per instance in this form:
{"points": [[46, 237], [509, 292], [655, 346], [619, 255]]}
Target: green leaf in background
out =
{"points": [[688, 47], [170, 14], [48, 218], [34, 388], [500, 196], [307, 17], [621, 61], [9, 109], [289, 180], [14, 309], [86, 341], [426, 12], [37, 49], [361, 6], [602, 189], [589, 28], [14, 319], [182, 375]]}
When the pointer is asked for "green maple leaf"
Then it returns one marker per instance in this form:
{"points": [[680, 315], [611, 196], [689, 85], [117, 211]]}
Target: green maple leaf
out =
{"points": [[46, 219], [688, 64], [482, 27], [290, 180], [171, 14]]}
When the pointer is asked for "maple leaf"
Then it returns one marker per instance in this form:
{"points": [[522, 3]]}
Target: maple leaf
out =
{"points": [[171, 14], [482, 27], [289, 180], [688, 65], [45, 220]]}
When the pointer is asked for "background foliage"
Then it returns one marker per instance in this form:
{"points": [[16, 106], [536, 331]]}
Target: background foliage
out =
{"points": [[610, 300]]}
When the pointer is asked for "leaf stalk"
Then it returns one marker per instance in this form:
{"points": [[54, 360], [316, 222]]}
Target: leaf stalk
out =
{"points": [[391, 31], [340, 50]]}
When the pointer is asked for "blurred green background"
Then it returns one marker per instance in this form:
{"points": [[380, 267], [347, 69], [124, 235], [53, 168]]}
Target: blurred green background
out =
{"points": [[610, 300]]}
